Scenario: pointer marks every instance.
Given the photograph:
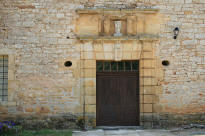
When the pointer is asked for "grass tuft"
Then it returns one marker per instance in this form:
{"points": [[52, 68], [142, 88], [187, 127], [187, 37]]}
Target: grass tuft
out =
{"points": [[44, 132]]}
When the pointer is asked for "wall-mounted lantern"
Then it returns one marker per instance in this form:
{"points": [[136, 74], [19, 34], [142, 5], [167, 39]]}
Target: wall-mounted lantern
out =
{"points": [[176, 32]]}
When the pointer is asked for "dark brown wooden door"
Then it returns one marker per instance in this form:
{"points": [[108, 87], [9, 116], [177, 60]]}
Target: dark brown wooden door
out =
{"points": [[117, 98]]}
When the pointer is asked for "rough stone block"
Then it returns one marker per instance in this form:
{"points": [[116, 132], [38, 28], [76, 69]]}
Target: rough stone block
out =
{"points": [[88, 73], [148, 90], [148, 81], [157, 108], [60, 15], [89, 83], [88, 64], [11, 75], [90, 91], [148, 73], [148, 63], [148, 98], [10, 103], [29, 110], [90, 100], [159, 90], [42, 110], [148, 108], [3, 110], [141, 108], [147, 55], [90, 108]]}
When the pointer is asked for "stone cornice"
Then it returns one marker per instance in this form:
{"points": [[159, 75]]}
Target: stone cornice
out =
{"points": [[142, 37], [111, 11]]}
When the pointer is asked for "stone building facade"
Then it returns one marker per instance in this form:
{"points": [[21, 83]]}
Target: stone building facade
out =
{"points": [[38, 37]]}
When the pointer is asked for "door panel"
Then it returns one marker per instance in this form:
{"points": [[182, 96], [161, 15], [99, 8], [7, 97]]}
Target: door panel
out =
{"points": [[117, 99]]}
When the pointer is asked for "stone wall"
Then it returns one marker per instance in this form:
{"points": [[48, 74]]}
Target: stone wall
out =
{"points": [[39, 36]]}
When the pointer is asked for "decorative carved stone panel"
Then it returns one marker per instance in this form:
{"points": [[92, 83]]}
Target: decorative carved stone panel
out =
{"points": [[116, 23]]}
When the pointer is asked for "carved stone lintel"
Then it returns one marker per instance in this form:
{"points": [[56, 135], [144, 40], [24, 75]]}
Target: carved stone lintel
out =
{"points": [[118, 52]]}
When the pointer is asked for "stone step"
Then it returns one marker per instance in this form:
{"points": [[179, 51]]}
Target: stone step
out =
{"points": [[123, 132]]}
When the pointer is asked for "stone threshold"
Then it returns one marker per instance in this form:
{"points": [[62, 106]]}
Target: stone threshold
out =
{"points": [[119, 127]]}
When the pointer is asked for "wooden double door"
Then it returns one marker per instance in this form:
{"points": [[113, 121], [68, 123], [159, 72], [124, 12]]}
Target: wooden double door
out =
{"points": [[118, 95]]}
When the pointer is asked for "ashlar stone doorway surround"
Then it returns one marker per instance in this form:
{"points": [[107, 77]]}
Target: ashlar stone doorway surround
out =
{"points": [[92, 51], [139, 44]]}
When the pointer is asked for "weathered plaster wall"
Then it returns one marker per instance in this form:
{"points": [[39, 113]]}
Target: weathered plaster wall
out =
{"points": [[39, 36]]}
